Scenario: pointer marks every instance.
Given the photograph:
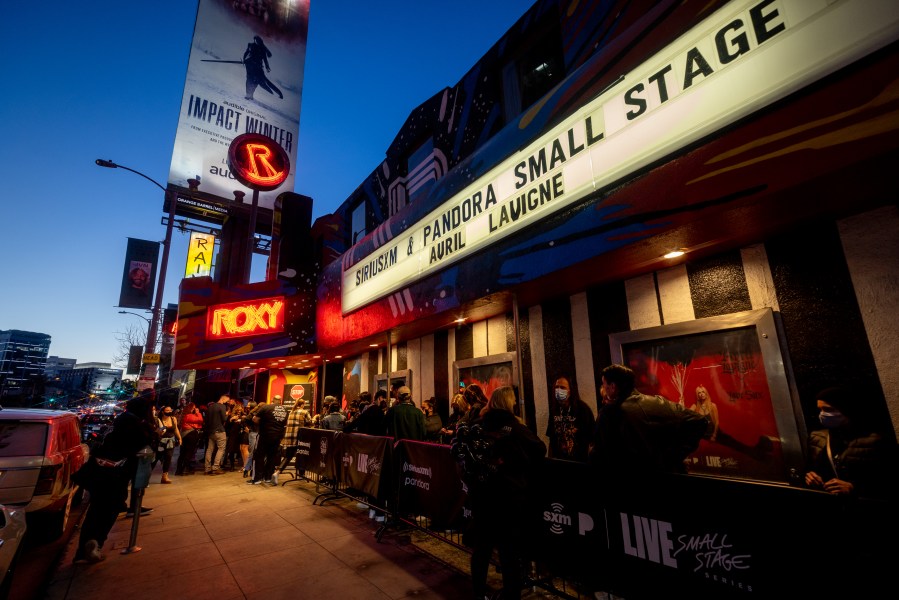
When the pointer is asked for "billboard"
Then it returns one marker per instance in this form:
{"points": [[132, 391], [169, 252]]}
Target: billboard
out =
{"points": [[244, 75], [139, 274]]}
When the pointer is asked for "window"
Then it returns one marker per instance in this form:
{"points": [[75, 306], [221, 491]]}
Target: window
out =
{"points": [[536, 71], [22, 439], [358, 224]]}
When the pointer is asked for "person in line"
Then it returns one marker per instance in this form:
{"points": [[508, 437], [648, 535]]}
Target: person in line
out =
{"points": [[460, 409], [334, 420], [255, 58], [845, 456], [216, 420], [638, 441], [404, 420], [252, 435], [298, 417], [499, 504], [371, 420], [571, 424], [638, 435], [114, 463], [272, 421], [191, 426], [477, 402], [170, 437], [234, 433], [849, 459], [706, 408], [433, 422]]}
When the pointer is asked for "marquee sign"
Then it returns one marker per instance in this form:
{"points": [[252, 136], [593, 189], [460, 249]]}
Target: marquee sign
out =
{"points": [[258, 162], [744, 57], [240, 319]]}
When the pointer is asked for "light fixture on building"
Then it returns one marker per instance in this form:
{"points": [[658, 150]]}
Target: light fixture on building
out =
{"points": [[674, 254]]}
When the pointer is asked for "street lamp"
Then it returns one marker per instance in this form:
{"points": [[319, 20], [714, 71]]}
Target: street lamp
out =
{"points": [[125, 312], [153, 369]]}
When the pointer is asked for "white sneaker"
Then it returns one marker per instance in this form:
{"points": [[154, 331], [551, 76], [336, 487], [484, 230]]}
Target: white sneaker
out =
{"points": [[92, 551], [275, 479]]}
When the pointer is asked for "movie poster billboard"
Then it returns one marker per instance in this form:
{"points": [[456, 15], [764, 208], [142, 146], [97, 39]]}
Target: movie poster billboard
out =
{"points": [[244, 75], [139, 274], [730, 369]]}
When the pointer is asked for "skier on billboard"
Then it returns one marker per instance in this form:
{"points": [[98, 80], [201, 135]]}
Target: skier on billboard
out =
{"points": [[254, 59]]}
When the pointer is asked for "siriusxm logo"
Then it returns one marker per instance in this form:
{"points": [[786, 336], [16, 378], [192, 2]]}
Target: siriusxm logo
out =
{"points": [[560, 521]]}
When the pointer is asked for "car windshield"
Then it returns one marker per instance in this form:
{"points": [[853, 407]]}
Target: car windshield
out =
{"points": [[18, 438]]}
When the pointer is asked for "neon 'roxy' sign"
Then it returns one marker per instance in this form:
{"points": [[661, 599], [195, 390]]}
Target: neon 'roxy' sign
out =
{"points": [[745, 56], [240, 319]]}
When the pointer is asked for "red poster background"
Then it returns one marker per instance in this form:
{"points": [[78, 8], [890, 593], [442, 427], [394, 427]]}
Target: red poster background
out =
{"points": [[729, 364]]}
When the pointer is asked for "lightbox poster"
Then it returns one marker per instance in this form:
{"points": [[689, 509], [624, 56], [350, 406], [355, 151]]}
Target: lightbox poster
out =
{"points": [[244, 75]]}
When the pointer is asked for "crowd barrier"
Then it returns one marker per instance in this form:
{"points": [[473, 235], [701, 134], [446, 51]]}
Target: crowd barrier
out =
{"points": [[709, 537]]}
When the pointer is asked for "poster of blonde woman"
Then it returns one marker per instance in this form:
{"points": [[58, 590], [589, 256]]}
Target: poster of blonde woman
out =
{"points": [[730, 374]]}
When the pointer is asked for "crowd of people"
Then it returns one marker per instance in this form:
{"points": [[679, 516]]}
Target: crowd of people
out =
{"points": [[630, 439]]}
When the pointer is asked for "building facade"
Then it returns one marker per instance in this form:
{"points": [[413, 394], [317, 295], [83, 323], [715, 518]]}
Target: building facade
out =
{"points": [[90, 378], [23, 357], [533, 227]]}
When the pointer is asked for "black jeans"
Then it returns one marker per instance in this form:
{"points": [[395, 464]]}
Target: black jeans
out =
{"points": [[106, 501], [265, 459], [188, 453]]}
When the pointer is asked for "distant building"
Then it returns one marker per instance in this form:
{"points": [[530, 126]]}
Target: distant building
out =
{"points": [[90, 377], [23, 357], [55, 364]]}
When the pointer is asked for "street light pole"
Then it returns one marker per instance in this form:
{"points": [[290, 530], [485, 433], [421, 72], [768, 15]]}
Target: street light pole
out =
{"points": [[152, 370]]}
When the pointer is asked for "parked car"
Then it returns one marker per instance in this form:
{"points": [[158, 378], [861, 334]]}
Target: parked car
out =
{"points": [[39, 452], [12, 532]]}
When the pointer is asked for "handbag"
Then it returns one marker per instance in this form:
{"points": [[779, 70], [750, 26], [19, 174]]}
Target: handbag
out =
{"points": [[96, 471]]}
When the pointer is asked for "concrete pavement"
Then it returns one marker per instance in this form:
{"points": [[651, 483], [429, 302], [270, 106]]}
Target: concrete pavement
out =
{"points": [[216, 538]]}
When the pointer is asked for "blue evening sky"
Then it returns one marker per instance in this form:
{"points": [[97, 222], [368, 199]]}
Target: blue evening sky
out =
{"points": [[103, 79]]}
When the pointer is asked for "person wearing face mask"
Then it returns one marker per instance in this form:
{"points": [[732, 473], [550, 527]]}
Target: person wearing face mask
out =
{"points": [[845, 457], [571, 423]]}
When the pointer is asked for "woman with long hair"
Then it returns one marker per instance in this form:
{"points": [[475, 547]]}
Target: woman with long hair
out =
{"points": [[168, 439], [706, 408], [499, 502], [191, 429]]}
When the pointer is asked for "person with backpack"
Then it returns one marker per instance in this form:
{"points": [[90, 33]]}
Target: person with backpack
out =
{"points": [[500, 475]]}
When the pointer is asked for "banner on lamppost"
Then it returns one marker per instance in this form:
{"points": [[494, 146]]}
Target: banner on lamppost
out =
{"points": [[134, 360], [139, 274], [244, 75]]}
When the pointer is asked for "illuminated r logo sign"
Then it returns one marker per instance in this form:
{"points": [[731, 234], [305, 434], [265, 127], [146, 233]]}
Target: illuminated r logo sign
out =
{"points": [[259, 166], [258, 162]]}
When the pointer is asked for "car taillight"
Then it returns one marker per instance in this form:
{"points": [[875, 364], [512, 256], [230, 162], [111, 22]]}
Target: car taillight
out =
{"points": [[46, 479]]}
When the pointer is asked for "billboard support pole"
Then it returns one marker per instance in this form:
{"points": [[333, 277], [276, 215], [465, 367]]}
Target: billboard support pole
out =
{"points": [[251, 238]]}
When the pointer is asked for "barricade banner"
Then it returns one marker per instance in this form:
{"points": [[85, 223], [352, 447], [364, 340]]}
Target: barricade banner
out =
{"points": [[363, 461], [717, 538], [567, 532], [317, 451], [429, 483]]}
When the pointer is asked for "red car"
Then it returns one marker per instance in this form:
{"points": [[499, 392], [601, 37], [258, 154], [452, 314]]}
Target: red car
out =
{"points": [[39, 452]]}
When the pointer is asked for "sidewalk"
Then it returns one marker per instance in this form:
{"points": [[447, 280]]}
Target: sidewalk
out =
{"points": [[218, 538]]}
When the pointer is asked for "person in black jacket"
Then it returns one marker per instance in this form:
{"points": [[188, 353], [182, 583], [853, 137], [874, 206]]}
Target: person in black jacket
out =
{"points": [[114, 464], [638, 436], [846, 458], [499, 497]]}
